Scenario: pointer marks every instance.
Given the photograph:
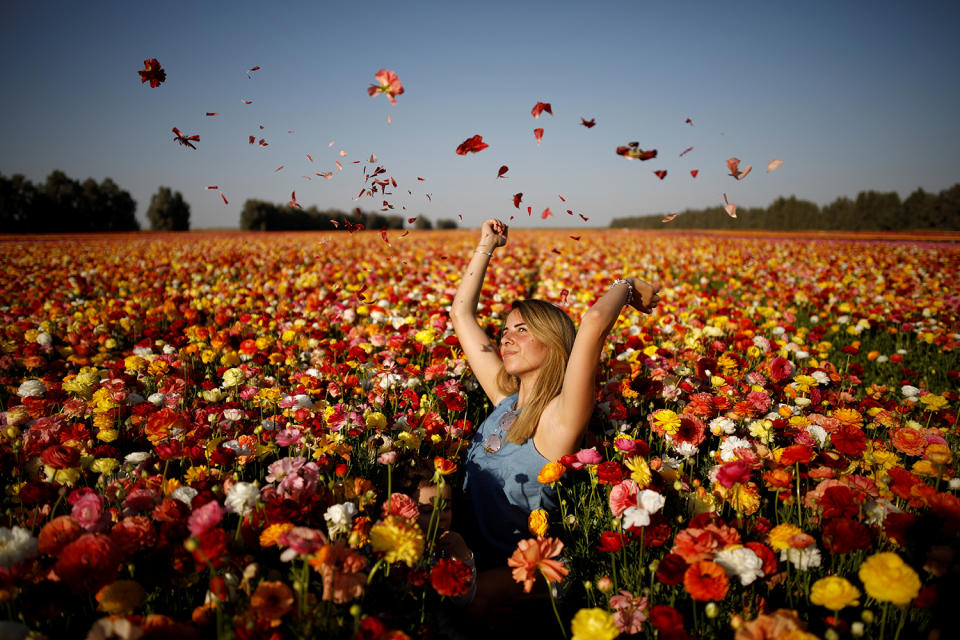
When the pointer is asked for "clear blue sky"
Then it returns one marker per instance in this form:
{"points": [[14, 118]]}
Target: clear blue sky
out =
{"points": [[850, 95]]}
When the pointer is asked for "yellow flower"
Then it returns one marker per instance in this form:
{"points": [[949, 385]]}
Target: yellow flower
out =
{"points": [[639, 471], [933, 402], [939, 454], [400, 538], [850, 417], [104, 465], [667, 421], [593, 624], [550, 473], [425, 336], [780, 536], [537, 523], [121, 596], [375, 420], [804, 382], [834, 593], [268, 537], [108, 435], [233, 378], [887, 578], [134, 363]]}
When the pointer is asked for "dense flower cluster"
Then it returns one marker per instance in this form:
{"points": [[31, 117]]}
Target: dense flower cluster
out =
{"points": [[223, 426]]}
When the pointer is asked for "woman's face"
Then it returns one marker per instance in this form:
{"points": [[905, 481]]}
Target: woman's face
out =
{"points": [[520, 350]]}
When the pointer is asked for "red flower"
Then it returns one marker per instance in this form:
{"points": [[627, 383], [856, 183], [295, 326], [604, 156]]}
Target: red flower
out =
{"points": [[691, 430], [58, 533], [473, 145], [899, 527], [609, 472], [152, 72], [671, 569], [780, 369], [88, 563], [843, 535], [705, 581], [60, 456], [211, 547], [133, 534], [765, 554], [796, 453], [611, 542], [666, 619], [839, 502], [849, 440], [451, 577], [733, 473]]}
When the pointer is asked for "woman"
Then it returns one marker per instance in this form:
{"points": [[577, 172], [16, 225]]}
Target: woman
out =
{"points": [[541, 384]]}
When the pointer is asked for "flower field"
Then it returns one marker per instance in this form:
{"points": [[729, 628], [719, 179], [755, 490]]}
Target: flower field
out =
{"points": [[205, 435]]}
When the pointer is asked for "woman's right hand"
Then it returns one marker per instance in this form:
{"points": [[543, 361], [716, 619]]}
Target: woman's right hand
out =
{"points": [[493, 234]]}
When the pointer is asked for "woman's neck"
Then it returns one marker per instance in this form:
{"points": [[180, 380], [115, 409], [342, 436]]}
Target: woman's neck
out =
{"points": [[526, 386]]}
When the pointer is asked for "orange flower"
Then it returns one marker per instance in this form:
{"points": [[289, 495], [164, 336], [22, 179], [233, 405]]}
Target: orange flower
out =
{"points": [[535, 555], [706, 580], [271, 601], [909, 441], [160, 424], [551, 472], [849, 417]]}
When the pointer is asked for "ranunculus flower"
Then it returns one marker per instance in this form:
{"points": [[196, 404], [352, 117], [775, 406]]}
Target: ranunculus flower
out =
{"points": [[400, 504], [451, 577], [58, 533], [887, 578], [834, 593], [205, 518], [388, 84], [593, 624], [88, 509], [535, 556], [88, 563], [706, 580], [16, 545]]}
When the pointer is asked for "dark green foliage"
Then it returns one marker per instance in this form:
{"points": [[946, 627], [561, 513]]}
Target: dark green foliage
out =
{"points": [[870, 211], [168, 211], [258, 215], [62, 205]]}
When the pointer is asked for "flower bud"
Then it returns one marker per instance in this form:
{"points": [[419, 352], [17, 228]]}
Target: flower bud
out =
{"points": [[712, 610], [867, 616], [856, 629], [605, 584]]}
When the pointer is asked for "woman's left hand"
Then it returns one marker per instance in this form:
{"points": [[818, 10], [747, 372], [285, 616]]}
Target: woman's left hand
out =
{"points": [[645, 296]]}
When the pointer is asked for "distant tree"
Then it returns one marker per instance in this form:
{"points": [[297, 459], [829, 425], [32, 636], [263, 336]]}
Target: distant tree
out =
{"points": [[256, 215], [18, 197], [422, 222], [880, 211], [168, 211], [446, 224], [948, 207], [118, 208], [60, 209]]}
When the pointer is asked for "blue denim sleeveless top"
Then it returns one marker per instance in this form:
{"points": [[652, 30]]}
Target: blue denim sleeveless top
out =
{"points": [[502, 487]]}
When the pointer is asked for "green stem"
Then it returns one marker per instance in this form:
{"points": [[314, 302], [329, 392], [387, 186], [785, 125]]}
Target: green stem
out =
{"points": [[883, 620], [903, 619], [553, 603]]}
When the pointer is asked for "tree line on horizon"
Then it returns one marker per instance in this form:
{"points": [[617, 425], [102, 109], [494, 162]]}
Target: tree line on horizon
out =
{"points": [[260, 215], [62, 204], [869, 211]]}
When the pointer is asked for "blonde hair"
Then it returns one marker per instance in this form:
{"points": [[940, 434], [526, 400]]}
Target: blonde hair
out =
{"points": [[556, 331]]}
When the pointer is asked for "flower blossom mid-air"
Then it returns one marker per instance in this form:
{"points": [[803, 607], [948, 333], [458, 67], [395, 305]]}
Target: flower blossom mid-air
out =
{"points": [[471, 145], [388, 83], [152, 72]]}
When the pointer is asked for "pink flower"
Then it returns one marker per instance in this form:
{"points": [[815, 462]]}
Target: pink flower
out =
{"points": [[388, 83], [630, 613], [88, 510], [300, 541], [623, 496], [627, 445], [733, 473], [205, 518], [586, 456], [388, 457], [759, 401], [288, 437], [402, 505]]}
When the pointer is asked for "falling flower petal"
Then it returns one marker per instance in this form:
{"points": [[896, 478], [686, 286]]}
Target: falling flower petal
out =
{"points": [[562, 199], [502, 171], [686, 151], [251, 70], [224, 198], [471, 145], [577, 238], [774, 164], [538, 134], [293, 200], [152, 73], [342, 153], [669, 217], [185, 140], [662, 173], [733, 165], [517, 197], [585, 218], [388, 84], [539, 108], [689, 122], [279, 168], [546, 214], [309, 157], [633, 151], [211, 113], [730, 208], [247, 102], [588, 123], [694, 172]]}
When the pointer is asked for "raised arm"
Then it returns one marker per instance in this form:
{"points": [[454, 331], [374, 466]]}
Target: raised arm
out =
{"points": [[576, 399], [480, 351]]}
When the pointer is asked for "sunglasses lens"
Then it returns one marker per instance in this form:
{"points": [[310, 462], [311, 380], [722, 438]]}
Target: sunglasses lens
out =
{"points": [[492, 443], [507, 420]]}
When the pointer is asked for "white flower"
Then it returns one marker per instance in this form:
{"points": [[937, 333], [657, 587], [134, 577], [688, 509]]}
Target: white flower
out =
{"points": [[730, 445], [142, 351], [169, 349], [685, 449], [31, 388], [136, 457], [877, 510], [820, 376], [242, 498], [233, 414], [156, 399], [114, 627], [44, 339], [909, 391], [651, 501], [761, 343], [722, 425], [237, 448], [16, 545], [818, 433], [802, 559], [881, 359], [741, 562], [184, 495], [635, 517], [339, 518]]}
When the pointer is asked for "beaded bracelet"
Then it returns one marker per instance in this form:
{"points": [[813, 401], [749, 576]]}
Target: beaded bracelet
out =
{"points": [[487, 253], [629, 299]]}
